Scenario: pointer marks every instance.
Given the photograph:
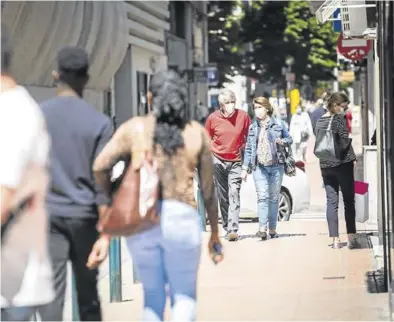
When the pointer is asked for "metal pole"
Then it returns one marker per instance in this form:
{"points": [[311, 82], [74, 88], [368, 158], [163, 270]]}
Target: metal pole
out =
{"points": [[200, 203], [384, 137], [115, 271], [74, 300]]}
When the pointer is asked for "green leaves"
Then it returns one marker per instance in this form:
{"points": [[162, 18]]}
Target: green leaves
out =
{"points": [[274, 30]]}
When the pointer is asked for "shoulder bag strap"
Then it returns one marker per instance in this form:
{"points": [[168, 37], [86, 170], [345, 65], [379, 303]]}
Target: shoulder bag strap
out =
{"points": [[329, 124]]}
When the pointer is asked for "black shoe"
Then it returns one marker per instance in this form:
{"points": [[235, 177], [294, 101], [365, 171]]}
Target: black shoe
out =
{"points": [[232, 236], [261, 234]]}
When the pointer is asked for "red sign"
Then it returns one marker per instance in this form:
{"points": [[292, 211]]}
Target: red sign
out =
{"points": [[353, 49]]}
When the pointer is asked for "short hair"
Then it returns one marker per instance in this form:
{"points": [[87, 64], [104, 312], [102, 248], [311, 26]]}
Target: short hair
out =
{"points": [[226, 96], [334, 98], [263, 101], [73, 60], [6, 50]]}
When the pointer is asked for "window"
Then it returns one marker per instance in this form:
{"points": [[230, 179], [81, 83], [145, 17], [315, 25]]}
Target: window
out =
{"points": [[142, 90], [177, 11]]}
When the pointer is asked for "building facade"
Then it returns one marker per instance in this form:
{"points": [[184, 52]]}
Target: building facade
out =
{"points": [[187, 46], [125, 41]]}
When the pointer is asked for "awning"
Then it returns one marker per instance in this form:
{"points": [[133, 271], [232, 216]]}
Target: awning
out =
{"points": [[39, 29]]}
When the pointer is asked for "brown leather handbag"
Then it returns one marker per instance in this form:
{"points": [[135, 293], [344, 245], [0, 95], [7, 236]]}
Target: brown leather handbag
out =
{"points": [[134, 206]]}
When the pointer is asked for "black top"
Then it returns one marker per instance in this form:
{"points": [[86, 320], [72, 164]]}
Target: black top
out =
{"points": [[78, 133], [338, 125]]}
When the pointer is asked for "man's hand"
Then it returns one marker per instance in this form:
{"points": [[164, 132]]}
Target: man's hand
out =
{"points": [[244, 175], [279, 141], [99, 252]]}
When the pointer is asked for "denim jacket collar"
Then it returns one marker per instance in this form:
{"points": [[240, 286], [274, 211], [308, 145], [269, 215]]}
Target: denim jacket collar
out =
{"points": [[270, 123]]}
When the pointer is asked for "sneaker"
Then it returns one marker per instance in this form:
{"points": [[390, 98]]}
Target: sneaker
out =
{"points": [[232, 236], [261, 234], [336, 244]]}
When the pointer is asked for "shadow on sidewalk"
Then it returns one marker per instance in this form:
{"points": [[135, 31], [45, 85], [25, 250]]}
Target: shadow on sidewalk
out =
{"points": [[364, 238], [241, 237]]}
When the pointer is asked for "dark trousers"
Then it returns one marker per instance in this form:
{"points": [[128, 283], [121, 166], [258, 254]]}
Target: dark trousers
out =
{"points": [[227, 178], [72, 239], [341, 176]]}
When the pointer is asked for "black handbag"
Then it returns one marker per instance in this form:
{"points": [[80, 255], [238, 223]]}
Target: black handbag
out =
{"points": [[288, 160]]}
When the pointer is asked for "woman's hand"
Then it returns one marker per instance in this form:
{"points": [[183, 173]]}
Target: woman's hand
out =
{"points": [[213, 244], [99, 252], [279, 141], [244, 175]]}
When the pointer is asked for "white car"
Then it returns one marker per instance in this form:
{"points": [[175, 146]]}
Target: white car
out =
{"points": [[294, 195]]}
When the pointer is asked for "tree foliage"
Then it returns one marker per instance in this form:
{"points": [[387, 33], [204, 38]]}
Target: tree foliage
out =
{"points": [[223, 38], [257, 38], [313, 46]]}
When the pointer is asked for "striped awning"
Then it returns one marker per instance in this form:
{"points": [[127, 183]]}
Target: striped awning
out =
{"points": [[40, 29]]}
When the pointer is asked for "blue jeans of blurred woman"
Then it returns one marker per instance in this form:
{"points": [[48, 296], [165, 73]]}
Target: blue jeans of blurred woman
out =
{"points": [[168, 256], [268, 182]]}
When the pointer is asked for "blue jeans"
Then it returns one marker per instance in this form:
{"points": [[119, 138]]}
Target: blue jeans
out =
{"points": [[169, 255], [268, 181]]}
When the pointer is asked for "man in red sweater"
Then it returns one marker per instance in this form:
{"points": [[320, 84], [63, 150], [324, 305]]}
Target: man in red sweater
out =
{"points": [[228, 130]]}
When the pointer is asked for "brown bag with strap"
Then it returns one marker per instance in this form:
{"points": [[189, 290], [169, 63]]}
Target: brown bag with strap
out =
{"points": [[134, 206]]}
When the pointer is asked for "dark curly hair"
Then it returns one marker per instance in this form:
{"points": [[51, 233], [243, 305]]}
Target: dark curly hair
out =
{"points": [[169, 103]]}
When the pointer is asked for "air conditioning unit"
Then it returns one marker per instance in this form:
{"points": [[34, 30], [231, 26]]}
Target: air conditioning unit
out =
{"points": [[323, 10], [359, 19]]}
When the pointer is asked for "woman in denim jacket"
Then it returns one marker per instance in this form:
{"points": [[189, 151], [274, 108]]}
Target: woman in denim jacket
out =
{"points": [[266, 162]]}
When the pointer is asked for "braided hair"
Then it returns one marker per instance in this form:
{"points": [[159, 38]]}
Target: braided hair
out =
{"points": [[169, 103]]}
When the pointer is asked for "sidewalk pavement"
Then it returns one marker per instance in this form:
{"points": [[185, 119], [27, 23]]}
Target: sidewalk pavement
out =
{"points": [[295, 277]]}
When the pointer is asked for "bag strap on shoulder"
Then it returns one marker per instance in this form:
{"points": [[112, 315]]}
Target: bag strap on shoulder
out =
{"points": [[330, 123]]}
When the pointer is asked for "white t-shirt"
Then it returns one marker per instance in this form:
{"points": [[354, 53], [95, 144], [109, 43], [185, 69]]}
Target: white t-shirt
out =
{"points": [[26, 276]]}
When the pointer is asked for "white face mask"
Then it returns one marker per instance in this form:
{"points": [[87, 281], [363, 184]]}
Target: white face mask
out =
{"points": [[298, 110], [341, 110], [260, 113], [229, 108]]}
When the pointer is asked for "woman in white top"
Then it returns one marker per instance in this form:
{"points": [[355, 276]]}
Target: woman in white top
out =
{"points": [[300, 130]]}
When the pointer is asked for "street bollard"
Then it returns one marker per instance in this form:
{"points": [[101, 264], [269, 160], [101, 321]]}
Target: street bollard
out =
{"points": [[136, 277], [201, 205], [74, 300], [115, 271]]}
